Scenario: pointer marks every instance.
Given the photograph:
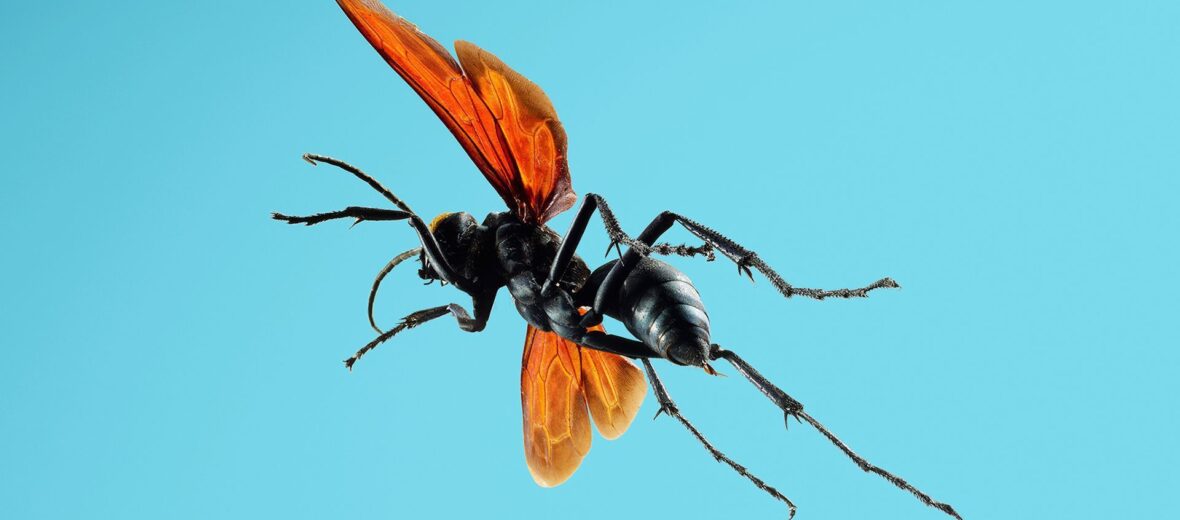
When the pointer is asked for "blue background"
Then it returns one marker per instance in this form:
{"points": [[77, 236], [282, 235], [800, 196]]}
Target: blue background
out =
{"points": [[167, 351]]}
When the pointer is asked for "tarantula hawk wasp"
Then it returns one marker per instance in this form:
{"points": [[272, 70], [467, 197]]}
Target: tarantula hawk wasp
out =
{"points": [[573, 370]]}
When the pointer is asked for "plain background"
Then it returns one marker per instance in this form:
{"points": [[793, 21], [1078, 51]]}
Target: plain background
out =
{"points": [[167, 351]]}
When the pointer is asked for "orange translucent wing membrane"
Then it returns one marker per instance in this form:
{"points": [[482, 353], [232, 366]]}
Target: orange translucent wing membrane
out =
{"points": [[530, 127], [614, 389], [556, 425], [559, 380], [431, 71], [515, 138]]}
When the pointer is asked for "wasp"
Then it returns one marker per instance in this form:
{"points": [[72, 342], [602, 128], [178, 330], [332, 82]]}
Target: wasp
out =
{"points": [[572, 369]]}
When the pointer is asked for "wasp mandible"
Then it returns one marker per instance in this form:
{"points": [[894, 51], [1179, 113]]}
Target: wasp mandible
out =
{"points": [[572, 370]]}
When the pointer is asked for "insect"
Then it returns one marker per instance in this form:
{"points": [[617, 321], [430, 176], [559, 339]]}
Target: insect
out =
{"points": [[572, 370]]}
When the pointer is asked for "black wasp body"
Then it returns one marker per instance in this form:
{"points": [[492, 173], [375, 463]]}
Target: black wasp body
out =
{"points": [[555, 291], [571, 366], [549, 285]]}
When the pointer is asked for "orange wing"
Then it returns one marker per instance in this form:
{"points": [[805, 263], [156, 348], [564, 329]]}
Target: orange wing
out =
{"points": [[504, 122], [556, 426], [557, 381], [530, 127], [614, 389]]}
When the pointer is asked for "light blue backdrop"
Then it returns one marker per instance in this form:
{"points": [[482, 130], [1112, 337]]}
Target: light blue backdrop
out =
{"points": [[167, 351]]}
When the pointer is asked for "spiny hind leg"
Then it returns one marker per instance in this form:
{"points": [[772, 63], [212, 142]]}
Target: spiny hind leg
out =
{"points": [[617, 236], [669, 407], [744, 258], [791, 407], [591, 203]]}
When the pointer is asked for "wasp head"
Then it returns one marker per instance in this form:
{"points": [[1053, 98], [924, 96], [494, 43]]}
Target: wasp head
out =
{"points": [[456, 236]]}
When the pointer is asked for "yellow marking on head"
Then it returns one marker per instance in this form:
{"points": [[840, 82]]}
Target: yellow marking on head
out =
{"points": [[434, 223]]}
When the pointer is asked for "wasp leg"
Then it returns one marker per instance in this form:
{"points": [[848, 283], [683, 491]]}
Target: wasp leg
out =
{"points": [[429, 244], [599, 340], [409, 322], [791, 407], [483, 307], [482, 303], [361, 214], [669, 407], [743, 257], [436, 258], [646, 248], [573, 237], [569, 244]]}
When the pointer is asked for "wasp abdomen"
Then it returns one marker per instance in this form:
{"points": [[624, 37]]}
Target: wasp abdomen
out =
{"points": [[660, 306]]}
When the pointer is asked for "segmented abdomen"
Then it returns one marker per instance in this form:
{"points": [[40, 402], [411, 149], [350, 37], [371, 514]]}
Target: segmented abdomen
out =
{"points": [[659, 306]]}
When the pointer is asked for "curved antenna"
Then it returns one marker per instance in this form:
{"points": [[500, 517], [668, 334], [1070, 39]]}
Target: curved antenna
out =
{"points": [[381, 276]]}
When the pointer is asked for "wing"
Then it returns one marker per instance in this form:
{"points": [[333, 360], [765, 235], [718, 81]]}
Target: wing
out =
{"points": [[504, 122], [558, 379], [614, 389], [431, 71], [530, 127], [556, 425]]}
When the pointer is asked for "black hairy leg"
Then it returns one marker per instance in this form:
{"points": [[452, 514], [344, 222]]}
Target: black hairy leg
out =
{"points": [[617, 236], [573, 237], [791, 407], [410, 321], [429, 244], [360, 214], [466, 322], [744, 258], [669, 407]]}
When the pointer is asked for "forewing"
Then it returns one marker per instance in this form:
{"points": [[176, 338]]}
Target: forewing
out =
{"points": [[431, 71], [556, 425], [530, 127], [614, 389]]}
